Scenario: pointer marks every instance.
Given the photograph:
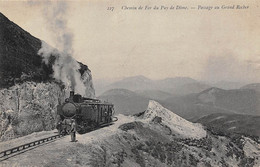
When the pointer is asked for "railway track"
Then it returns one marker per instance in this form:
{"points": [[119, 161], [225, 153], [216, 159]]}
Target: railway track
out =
{"points": [[15, 150], [25, 147]]}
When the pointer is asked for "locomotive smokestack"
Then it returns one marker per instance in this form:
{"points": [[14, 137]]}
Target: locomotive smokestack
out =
{"points": [[71, 94]]}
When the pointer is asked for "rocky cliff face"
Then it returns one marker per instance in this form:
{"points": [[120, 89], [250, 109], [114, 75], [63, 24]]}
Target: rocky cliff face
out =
{"points": [[29, 107], [29, 90]]}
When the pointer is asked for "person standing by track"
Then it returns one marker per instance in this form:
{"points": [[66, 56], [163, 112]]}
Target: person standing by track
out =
{"points": [[73, 131]]}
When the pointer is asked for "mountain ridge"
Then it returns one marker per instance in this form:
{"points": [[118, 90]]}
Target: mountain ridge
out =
{"points": [[175, 85], [254, 86], [193, 106]]}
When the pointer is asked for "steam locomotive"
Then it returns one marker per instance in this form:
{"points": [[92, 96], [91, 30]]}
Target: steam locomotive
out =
{"points": [[88, 114]]}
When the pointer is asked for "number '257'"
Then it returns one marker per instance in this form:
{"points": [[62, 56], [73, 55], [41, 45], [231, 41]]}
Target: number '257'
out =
{"points": [[110, 8]]}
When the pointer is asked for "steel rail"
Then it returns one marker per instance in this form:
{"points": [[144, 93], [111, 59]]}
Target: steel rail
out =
{"points": [[28, 145]]}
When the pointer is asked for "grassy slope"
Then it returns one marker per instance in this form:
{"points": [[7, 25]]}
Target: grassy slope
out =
{"points": [[229, 124]]}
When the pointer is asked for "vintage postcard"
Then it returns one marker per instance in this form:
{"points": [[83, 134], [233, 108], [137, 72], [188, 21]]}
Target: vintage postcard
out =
{"points": [[149, 83]]}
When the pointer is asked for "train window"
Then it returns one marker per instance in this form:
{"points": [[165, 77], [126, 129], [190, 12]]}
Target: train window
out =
{"points": [[109, 111]]}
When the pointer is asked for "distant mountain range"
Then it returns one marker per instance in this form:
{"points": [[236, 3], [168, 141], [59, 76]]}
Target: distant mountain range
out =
{"points": [[154, 94], [215, 100], [227, 85], [254, 86], [175, 86], [125, 101], [191, 106], [129, 102]]}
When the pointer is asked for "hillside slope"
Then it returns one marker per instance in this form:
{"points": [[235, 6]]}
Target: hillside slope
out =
{"points": [[244, 101], [230, 124], [18, 54]]}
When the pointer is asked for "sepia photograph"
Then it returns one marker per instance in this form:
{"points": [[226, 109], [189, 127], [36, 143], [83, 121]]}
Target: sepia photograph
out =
{"points": [[129, 83]]}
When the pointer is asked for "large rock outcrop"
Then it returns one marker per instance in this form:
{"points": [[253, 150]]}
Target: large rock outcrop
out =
{"points": [[29, 107], [176, 123]]}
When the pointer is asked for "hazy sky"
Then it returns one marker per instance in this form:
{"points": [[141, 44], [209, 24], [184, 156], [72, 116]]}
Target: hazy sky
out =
{"points": [[202, 44]]}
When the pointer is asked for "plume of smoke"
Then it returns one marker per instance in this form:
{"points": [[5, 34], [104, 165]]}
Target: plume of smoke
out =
{"points": [[46, 51], [55, 14], [65, 67]]}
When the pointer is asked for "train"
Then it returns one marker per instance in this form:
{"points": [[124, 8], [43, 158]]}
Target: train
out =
{"points": [[88, 114]]}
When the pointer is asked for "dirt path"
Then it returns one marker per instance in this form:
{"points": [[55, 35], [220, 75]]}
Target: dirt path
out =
{"points": [[42, 155]]}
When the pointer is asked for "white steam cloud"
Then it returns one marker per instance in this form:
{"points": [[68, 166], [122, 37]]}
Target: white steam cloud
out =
{"points": [[65, 67]]}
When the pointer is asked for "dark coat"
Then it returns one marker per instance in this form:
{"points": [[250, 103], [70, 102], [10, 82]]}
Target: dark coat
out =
{"points": [[73, 127]]}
